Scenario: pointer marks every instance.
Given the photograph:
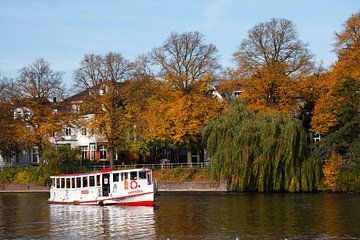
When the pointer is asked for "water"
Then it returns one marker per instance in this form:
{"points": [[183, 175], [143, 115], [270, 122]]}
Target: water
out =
{"points": [[186, 216]]}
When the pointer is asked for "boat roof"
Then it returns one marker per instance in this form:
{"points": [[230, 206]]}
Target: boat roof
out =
{"points": [[106, 170]]}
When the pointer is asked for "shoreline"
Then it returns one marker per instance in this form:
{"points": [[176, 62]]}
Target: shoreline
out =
{"points": [[162, 187]]}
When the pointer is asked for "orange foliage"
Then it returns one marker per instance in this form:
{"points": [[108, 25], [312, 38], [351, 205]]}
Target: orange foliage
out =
{"points": [[270, 90], [331, 170], [330, 102], [178, 116]]}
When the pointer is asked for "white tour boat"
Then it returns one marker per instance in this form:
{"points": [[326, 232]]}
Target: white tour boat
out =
{"points": [[131, 187]]}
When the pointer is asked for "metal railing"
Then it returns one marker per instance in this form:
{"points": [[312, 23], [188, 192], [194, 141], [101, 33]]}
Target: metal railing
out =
{"points": [[155, 166]]}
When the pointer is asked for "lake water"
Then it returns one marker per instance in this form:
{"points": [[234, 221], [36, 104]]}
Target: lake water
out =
{"points": [[186, 216]]}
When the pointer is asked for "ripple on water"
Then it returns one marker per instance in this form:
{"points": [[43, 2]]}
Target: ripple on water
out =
{"points": [[102, 222]]}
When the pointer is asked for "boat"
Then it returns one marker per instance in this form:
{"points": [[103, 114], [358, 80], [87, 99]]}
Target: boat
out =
{"points": [[128, 187]]}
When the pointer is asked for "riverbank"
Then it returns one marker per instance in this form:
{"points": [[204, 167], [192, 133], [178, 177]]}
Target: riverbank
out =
{"points": [[30, 187], [162, 187]]}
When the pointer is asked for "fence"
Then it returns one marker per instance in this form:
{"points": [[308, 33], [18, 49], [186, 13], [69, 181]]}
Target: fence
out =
{"points": [[155, 166]]}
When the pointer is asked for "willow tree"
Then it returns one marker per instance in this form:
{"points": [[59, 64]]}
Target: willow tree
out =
{"points": [[261, 152]]}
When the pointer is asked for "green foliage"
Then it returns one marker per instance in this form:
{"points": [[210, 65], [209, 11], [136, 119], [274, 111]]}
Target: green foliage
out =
{"points": [[269, 152]]}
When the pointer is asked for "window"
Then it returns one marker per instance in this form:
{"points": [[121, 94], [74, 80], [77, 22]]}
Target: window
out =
{"points": [[102, 152], [83, 131], [67, 131], [92, 181], [97, 180], [73, 182], [62, 183], [149, 177], [142, 175], [124, 176], [92, 151], [34, 155], [78, 182], [115, 177], [57, 182], [133, 176], [83, 150], [67, 182], [85, 182]]}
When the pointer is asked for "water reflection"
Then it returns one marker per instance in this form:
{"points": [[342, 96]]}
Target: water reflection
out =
{"points": [[186, 216], [89, 222], [258, 216], [24, 215]]}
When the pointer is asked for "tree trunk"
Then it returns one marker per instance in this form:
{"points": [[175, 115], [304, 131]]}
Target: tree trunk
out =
{"points": [[189, 155]]}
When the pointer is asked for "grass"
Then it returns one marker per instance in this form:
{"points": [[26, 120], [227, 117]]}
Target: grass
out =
{"points": [[182, 175]]}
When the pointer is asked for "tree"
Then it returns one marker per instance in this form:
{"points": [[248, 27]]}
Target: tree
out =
{"points": [[270, 90], [39, 81], [188, 66], [270, 43], [94, 69], [36, 86], [186, 56], [8, 133], [331, 100], [336, 112], [102, 77], [261, 152]]}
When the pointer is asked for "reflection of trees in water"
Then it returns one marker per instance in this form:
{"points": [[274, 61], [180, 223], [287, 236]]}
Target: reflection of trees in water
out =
{"points": [[256, 216], [23, 215], [182, 216], [102, 222]]}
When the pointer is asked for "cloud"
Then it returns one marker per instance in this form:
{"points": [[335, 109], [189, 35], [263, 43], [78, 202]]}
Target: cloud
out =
{"points": [[213, 11]]}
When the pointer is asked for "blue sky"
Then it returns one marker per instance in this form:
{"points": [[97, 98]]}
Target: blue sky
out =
{"points": [[63, 31]]}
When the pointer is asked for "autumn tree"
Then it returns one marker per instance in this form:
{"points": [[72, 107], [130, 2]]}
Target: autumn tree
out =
{"points": [[102, 76], [331, 102], [347, 47], [336, 112], [188, 66], [270, 61], [270, 43], [8, 133], [38, 88], [186, 56]]}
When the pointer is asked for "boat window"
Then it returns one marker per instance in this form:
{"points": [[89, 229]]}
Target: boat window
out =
{"points": [[73, 182], [85, 182], [142, 175], [124, 176], [149, 177], [57, 182], [133, 175], [62, 183], [92, 181], [67, 182], [115, 177], [98, 180], [78, 182]]}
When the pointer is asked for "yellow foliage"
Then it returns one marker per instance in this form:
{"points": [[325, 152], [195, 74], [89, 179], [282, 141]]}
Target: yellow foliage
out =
{"points": [[330, 102], [331, 170], [177, 115], [270, 90], [22, 177]]}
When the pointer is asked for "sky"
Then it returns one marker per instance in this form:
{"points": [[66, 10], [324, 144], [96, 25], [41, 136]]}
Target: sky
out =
{"points": [[63, 31]]}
